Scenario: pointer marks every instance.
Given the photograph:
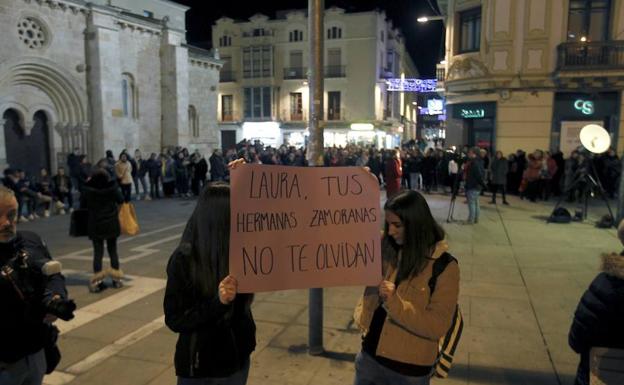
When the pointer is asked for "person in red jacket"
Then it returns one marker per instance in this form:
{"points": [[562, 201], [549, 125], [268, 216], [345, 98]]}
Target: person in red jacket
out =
{"points": [[393, 174]]}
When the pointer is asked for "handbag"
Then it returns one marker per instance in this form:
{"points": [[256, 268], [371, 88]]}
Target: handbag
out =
{"points": [[79, 223], [128, 220]]}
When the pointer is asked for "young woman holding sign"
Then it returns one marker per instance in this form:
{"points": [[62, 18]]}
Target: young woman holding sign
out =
{"points": [[401, 320], [216, 330]]}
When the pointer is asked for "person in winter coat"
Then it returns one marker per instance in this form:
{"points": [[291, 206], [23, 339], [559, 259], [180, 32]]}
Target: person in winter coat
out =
{"points": [[498, 174], [168, 176], [101, 197], [123, 172], [570, 175], [200, 169], [62, 189], [401, 320], [611, 170], [599, 319], [215, 326], [181, 173], [139, 177], [531, 177], [217, 166], [393, 174], [474, 183], [154, 166]]}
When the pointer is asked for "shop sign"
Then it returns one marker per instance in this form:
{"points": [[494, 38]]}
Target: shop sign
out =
{"points": [[585, 106], [472, 113]]}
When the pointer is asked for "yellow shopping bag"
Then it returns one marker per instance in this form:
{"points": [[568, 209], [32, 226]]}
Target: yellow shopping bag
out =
{"points": [[128, 220]]}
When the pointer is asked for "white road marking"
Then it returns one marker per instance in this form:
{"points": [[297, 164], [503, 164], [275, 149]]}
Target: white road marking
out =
{"points": [[89, 251], [138, 287], [58, 378]]}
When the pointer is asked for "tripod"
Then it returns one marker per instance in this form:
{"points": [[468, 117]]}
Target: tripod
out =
{"points": [[589, 183], [454, 191]]}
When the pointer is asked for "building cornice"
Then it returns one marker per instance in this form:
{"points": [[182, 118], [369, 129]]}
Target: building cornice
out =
{"points": [[74, 6]]}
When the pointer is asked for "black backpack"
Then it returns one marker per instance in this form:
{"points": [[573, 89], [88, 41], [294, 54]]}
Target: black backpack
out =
{"points": [[560, 215], [448, 343]]}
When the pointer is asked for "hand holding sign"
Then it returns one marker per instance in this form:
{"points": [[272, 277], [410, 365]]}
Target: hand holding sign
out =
{"points": [[227, 290], [386, 290]]}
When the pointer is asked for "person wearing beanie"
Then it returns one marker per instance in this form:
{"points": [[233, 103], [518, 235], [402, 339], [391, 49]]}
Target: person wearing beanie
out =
{"points": [[599, 319]]}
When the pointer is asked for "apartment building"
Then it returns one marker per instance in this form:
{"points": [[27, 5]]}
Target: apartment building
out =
{"points": [[263, 89], [527, 74]]}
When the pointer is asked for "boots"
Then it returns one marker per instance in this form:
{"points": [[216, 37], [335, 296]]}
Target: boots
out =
{"points": [[116, 276], [96, 283]]}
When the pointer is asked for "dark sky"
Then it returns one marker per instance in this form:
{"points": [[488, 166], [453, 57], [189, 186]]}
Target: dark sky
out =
{"points": [[423, 40]]}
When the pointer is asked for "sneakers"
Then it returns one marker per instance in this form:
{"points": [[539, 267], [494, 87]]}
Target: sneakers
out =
{"points": [[61, 212], [46, 214], [32, 217], [147, 198], [23, 219], [59, 205], [71, 210]]}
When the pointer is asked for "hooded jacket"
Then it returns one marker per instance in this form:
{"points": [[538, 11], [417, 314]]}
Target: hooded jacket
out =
{"points": [[416, 320], [102, 202], [599, 317]]}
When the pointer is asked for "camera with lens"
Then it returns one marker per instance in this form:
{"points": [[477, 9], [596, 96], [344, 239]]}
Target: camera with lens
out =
{"points": [[24, 278]]}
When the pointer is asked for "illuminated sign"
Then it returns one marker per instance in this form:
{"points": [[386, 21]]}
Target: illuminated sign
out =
{"points": [[585, 106], [435, 106], [473, 113], [412, 85]]}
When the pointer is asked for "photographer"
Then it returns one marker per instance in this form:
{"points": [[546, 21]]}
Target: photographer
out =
{"points": [[33, 295]]}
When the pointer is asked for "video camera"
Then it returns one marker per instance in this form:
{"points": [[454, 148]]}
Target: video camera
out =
{"points": [[21, 276]]}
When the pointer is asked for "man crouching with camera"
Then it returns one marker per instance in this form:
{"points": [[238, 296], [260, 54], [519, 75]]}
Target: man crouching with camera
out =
{"points": [[32, 296]]}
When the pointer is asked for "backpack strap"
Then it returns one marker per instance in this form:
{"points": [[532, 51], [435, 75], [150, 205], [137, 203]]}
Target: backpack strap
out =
{"points": [[439, 265]]}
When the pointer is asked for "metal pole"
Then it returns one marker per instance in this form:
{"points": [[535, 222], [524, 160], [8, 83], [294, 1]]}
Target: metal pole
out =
{"points": [[316, 9]]}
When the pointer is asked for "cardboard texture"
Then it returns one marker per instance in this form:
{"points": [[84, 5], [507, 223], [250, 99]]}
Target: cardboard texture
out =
{"points": [[304, 227]]}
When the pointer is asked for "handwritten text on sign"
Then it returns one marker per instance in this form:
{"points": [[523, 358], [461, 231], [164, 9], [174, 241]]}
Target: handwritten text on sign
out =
{"points": [[304, 227]]}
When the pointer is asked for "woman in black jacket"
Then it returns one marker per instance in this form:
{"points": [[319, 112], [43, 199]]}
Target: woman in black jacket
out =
{"points": [[101, 197], [216, 330], [599, 317]]}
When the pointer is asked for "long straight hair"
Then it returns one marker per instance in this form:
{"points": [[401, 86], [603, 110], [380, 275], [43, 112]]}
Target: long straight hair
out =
{"points": [[206, 239], [421, 233]]}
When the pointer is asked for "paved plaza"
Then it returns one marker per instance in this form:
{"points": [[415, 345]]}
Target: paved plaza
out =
{"points": [[520, 282]]}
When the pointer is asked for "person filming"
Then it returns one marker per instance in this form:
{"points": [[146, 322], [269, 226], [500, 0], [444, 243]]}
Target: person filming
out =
{"points": [[33, 295]]}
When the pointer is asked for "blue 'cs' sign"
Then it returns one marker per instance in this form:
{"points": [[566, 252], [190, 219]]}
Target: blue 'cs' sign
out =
{"points": [[585, 106]]}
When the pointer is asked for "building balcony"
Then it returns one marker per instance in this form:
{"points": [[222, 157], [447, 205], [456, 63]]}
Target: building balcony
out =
{"points": [[295, 73], [226, 76], [440, 73], [335, 71], [592, 56]]}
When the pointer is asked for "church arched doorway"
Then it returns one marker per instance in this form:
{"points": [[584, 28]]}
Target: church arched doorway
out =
{"points": [[29, 151]]}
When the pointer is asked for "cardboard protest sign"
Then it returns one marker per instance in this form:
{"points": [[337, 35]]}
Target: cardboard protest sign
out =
{"points": [[304, 227]]}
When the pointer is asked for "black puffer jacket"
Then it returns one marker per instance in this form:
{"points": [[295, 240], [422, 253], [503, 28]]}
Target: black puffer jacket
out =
{"points": [[103, 205], [215, 340], [599, 317]]}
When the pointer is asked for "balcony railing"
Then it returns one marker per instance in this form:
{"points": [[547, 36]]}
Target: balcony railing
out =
{"points": [[226, 76], [335, 72], [295, 73], [590, 56]]}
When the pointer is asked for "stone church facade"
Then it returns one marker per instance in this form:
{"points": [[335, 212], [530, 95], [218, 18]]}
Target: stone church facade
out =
{"points": [[101, 75]]}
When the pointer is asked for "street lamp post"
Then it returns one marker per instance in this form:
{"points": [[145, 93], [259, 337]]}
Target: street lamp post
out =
{"points": [[425, 19]]}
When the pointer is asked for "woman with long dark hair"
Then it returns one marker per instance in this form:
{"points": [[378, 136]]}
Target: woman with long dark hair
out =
{"points": [[401, 319], [216, 330], [101, 197]]}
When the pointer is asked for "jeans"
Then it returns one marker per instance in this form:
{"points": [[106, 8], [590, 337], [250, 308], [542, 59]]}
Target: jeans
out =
{"points": [[98, 253], [143, 183], [154, 187], [370, 372], [473, 205], [238, 378], [27, 371]]}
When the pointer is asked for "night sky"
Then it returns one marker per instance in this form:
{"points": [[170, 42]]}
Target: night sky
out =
{"points": [[423, 40]]}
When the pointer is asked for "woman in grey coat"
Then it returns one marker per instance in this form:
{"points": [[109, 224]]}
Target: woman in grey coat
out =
{"points": [[498, 173]]}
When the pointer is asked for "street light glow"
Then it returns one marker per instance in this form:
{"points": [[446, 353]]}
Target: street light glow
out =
{"points": [[422, 19]]}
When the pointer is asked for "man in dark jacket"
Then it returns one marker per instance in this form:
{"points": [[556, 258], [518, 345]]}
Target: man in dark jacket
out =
{"points": [[154, 170], [73, 163], [217, 166], [599, 319], [475, 181], [33, 295]]}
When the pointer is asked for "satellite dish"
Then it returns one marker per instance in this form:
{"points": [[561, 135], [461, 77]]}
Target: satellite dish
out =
{"points": [[595, 138]]}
